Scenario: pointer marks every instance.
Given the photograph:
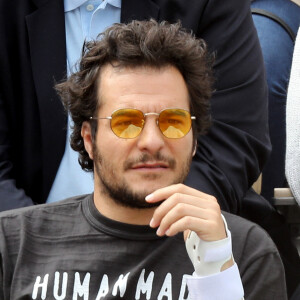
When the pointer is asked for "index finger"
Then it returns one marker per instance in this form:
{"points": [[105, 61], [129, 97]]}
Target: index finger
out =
{"points": [[166, 192]]}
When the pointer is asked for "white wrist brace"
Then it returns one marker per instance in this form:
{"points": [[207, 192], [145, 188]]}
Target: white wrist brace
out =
{"points": [[209, 257]]}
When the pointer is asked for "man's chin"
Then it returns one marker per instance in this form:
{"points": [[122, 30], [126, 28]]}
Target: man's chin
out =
{"points": [[146, 189], [135, 200], [151, 179], [140, 205]]}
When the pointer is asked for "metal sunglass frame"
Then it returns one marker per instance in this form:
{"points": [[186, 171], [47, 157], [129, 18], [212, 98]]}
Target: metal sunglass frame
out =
{"points": [[145, 115]]}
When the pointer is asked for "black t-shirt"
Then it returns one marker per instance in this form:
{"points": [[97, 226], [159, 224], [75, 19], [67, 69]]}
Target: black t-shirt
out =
{"points": [[68, 250]]}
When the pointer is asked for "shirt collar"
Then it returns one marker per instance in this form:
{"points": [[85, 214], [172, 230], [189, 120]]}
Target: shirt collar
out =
{"points": [[116, 3], [73, 4]]}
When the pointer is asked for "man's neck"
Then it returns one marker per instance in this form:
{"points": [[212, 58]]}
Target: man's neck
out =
{"points": [[112, 210]]}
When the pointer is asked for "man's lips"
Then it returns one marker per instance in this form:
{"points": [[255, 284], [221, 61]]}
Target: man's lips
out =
{"points": [[146, 162], [150, 165]]}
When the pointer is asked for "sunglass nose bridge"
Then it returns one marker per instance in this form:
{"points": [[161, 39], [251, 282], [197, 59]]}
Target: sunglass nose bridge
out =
{"points": [[152, 114]]}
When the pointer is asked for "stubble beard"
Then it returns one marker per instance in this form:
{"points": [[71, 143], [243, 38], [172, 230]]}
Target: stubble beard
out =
{"points": [[120, 191]]}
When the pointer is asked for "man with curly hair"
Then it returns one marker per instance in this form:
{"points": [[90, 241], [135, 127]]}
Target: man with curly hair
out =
{"points": [[139, 101]]}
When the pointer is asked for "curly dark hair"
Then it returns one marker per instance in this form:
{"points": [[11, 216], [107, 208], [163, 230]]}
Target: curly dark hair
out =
{"points": [[138, 44]]}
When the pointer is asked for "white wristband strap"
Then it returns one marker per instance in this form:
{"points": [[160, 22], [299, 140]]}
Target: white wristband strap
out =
{"points": [[209, 257]]}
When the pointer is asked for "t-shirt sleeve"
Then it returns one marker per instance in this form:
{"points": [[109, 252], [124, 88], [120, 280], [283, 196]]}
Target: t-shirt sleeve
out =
{"points": [[265, 278], [258, 259]]}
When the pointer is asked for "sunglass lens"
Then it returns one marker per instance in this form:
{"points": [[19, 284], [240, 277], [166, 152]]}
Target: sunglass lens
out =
{"points": [[174, 123], [127, 123]]}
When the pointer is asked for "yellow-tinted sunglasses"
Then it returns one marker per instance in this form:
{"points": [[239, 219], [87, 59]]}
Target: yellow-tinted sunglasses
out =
{"points": [[128, 123]]}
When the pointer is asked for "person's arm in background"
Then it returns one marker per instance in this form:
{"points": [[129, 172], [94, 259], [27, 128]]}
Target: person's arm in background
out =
{"points": [[10, 74], [11, 196], [32, 119], [230, 158]]}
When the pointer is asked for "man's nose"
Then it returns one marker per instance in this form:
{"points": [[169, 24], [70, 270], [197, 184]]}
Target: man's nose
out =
{"points": [[151, 138]]}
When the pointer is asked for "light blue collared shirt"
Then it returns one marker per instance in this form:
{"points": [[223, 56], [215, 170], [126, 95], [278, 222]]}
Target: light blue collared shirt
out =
{"points": [[84, 21]]}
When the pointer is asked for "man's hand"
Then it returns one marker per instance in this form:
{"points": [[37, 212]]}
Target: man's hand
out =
{"points": [[194, 213], [184, 209]]}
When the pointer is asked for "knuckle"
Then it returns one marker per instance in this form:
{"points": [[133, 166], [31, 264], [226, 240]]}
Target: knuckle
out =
{"points": [[180, 208], [180, 187], [187, 221], [177, 197], [213, 199]]}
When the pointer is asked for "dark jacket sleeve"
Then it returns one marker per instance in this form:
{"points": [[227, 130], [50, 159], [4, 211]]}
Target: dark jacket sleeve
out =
{"points": [[230, 158], [10, 196], [10, 77]]}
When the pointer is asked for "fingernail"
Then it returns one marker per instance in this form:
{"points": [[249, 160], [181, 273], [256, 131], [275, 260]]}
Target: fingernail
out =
{"points": [[149, 197], [158, 231], [152, 223]]}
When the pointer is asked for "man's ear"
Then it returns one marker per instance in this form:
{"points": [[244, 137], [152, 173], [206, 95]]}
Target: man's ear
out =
{"points": [[86, 133]]}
